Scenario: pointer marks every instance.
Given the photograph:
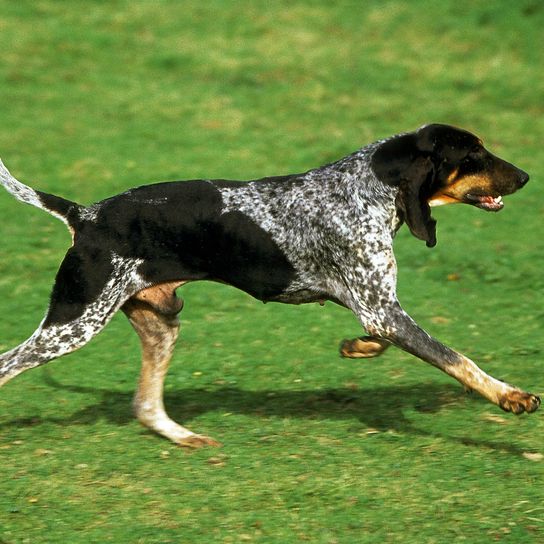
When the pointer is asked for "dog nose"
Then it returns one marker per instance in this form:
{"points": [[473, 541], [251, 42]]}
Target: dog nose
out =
{"points": [[523, 178]]}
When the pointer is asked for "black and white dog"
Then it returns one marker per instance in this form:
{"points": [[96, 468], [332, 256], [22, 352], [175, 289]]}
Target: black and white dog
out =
{"points": [[326, 234]]}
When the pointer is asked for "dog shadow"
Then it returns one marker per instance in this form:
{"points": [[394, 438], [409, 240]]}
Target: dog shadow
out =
{"points": [[379, 409]]}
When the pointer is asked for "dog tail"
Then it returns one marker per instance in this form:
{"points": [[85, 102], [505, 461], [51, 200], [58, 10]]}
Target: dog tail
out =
{"points": [[65, 210]]}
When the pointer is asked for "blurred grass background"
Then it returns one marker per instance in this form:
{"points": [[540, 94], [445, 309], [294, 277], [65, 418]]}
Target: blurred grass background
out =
{"points": [[96, 97]]}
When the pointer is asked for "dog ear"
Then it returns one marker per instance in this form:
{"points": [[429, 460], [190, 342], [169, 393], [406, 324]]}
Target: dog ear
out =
{"points": [[400, 162], [412, 200]]}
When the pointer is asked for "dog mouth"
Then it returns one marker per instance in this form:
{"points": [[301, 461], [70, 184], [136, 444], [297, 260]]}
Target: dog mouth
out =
{"points": [[485, 202]]}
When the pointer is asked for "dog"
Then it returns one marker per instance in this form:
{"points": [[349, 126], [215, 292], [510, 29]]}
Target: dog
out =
{"points": [[326, 234]]}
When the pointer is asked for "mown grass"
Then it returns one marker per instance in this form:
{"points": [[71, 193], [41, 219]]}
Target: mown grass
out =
{"points": [[96, 97]]}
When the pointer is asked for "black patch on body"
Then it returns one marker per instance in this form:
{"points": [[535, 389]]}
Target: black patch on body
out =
{"points": [[178, 230], [80, 280]]}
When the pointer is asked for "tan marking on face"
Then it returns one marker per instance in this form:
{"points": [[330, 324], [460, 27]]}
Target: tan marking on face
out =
{"points": [[451, 178], [440, 199], [457, 188]]}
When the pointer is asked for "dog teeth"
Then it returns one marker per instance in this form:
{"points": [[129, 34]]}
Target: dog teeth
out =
{"points": [[498, 200]]}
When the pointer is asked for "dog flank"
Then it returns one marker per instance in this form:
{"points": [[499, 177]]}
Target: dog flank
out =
{"points": [[355, 211], [326, 234]]}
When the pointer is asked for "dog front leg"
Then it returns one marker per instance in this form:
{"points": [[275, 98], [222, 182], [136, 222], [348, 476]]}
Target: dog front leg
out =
{"points": [[396, 326], [363, 347]]}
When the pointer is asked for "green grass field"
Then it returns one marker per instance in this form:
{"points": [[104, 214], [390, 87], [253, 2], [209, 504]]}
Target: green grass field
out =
{"points": [[96, 97]]}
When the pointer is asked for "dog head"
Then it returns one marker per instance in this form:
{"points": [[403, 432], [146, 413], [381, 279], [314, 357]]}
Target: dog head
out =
{"points": [[440, 164]]}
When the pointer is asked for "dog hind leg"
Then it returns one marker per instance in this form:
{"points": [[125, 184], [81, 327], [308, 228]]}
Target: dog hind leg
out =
{"points": [[57, 336], [50, 342], [153, 315]]}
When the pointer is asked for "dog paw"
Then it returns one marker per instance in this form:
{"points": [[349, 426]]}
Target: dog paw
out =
{"points": [[362, 348], [518, 402], [197, 441]]}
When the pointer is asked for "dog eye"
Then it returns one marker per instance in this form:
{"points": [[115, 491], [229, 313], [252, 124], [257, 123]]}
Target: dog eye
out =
{"points": [[474, 154]]}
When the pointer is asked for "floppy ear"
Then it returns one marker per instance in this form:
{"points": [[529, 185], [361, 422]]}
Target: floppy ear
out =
{"points": [[412, 200], [400, 162]]}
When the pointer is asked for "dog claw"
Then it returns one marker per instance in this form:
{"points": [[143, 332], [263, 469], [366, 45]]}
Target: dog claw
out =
{"points": [[197, 441], [518, 402]]}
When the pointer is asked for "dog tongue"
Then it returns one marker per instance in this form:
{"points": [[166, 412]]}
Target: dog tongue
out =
{"points": [[491, 203]]}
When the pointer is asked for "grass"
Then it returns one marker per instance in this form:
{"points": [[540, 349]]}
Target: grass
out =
{"points": [[96, 97]]}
